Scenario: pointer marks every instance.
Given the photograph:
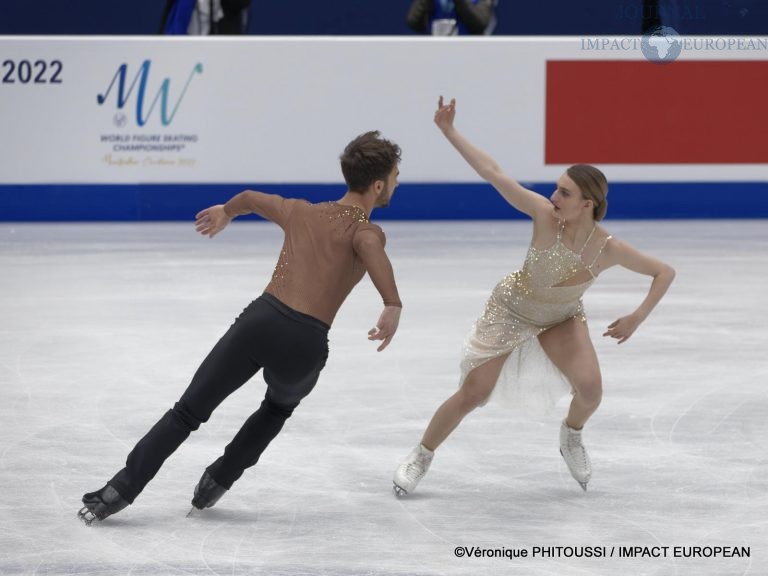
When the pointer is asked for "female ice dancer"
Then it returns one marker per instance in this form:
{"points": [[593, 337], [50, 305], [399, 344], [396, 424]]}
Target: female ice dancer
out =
{"points": [[539, 308]]}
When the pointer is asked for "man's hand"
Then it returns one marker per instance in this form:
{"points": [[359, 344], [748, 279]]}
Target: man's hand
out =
{"points": [[386, 326], [211, 221]]}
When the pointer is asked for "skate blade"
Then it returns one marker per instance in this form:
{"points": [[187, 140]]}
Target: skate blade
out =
{"points": [[399, 492], [191, 512], [86, 516], [583, 486]]}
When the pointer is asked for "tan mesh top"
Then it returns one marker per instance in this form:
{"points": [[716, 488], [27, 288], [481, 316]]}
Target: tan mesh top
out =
{"points": [[328, 248]]}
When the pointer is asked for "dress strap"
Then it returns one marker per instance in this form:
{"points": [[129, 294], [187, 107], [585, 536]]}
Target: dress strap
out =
{"points": [[588, 239], [594, 261]]}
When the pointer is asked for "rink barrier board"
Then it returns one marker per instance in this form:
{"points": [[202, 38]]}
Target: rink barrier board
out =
{"points": [[412, 201], [141, 110]]}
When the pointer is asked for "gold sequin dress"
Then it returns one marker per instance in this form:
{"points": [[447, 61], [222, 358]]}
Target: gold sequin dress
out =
{"points": [[522, 306]]}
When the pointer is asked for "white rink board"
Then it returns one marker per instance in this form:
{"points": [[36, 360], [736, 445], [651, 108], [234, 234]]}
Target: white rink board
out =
{"points": [[279, 109]]}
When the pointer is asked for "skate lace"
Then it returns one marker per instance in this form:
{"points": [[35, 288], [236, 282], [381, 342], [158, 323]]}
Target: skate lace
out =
{"points": [[415, 470], [576, 449]]}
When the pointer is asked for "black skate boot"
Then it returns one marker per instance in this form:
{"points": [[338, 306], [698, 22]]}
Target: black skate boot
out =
{"points": [[100, 504], [207, 492]]}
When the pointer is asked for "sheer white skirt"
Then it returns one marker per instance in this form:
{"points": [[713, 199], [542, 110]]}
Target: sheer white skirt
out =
{"points": [[528, 382]]}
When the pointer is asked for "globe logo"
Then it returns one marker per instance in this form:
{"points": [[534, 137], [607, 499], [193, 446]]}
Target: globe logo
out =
{"points": [[661, 45]]}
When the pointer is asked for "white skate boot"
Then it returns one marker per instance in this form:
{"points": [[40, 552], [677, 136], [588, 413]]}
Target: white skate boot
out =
{"points": [[575, 455], [412, 470]]}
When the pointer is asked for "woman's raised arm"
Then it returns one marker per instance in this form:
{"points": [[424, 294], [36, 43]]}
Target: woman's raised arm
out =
{"points": [[524, 200]]}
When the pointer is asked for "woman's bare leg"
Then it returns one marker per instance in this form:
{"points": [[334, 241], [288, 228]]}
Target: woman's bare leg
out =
{"points": [[476, 389], [570, 348]]}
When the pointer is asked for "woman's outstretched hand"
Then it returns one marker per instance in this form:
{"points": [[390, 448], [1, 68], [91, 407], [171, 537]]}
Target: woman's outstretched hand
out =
{"points": [[622, 328], [445, 114]]}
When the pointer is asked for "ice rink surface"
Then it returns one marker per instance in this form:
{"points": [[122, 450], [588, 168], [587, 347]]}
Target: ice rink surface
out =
{"points": [[103, 325]]}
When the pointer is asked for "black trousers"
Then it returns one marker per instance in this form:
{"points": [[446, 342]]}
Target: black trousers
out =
{"points": [[291, 347]]}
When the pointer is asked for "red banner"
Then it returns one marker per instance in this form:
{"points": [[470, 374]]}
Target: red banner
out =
{"points": [[622, 112]]}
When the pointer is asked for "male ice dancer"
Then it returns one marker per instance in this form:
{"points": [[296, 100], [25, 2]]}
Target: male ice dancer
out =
{"points": [[328, 247]]}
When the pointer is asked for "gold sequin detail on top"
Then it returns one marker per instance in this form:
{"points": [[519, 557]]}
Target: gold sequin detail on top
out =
{"points": [[343, 217], [278, 276], [527, 302], [353, 213]]}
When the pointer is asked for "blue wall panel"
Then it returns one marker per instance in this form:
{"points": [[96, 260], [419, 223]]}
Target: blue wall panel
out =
{"points": [[411, 201], [715, 17]]}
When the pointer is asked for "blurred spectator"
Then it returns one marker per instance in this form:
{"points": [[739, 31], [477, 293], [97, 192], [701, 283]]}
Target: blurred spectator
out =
{"points": [[204, 17], [452, 17], [651, 16], [670, 13]]}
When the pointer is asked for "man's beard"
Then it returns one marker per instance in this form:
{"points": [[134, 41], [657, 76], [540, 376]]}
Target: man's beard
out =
{"points": [[383, 202]]}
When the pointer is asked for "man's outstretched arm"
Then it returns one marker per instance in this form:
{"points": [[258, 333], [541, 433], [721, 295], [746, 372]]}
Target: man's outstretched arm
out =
{"points": [[214, 219]]}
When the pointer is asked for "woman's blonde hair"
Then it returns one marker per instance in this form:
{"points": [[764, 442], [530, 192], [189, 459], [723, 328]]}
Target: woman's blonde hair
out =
{"points": [[593, 185]]}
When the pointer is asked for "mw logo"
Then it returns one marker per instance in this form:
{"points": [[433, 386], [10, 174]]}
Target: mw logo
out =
{"points": [[143, 112]]}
